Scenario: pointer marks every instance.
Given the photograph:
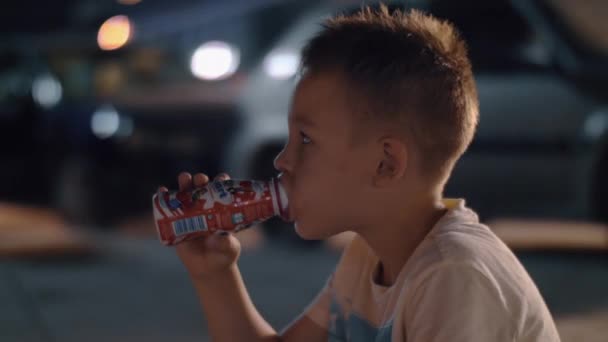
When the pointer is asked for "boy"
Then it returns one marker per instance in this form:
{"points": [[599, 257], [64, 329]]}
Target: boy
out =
{"points": [[385, 107]]}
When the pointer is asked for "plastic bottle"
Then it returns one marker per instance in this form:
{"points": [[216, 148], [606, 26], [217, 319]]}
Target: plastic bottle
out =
{"points": [[220, 206]]}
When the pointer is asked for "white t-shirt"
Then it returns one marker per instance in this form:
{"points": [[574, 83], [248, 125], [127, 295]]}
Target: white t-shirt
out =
{"points": [[462, 283]]}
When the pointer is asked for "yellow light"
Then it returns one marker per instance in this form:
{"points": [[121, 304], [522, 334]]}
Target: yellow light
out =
{"points": [[114, 33], [129, 2]]}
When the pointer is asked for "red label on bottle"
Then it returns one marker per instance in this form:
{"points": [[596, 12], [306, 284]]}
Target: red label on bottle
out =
{"points": [[220, 206]]}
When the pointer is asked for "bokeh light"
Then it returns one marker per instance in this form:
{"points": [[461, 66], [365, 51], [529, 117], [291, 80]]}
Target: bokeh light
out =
{"points": [[46, 91], [114, 33], [105, 122], [214, 60], [282, 65]]}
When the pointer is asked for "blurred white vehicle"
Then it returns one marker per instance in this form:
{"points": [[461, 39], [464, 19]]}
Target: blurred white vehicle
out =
{"points": [[542, 75]]}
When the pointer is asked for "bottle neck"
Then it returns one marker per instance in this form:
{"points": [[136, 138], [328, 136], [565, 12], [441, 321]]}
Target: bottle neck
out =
{"points": [[279, 199]]}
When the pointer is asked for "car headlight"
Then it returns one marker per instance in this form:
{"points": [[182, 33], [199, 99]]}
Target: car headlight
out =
{"points": [[282, 64], [215, 60]]}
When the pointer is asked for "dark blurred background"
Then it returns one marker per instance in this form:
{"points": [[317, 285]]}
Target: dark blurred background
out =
{"points": [[103, 101]]}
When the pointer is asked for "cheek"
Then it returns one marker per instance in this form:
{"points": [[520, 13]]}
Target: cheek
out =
{"points": [[321, 182], [321, 198], [306, 172]]}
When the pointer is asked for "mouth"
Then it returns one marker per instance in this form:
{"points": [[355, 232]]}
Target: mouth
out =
{"points": [[289, 215]]}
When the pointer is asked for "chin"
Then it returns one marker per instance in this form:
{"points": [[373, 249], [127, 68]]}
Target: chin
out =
{"points": [[304, 233], [308, 233]]}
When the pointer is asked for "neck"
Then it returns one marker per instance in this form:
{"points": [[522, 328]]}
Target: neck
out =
{"points": [[394, 238]]}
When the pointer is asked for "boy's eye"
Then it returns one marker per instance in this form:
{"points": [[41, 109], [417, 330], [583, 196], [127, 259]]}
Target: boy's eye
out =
{"points": [[305, 139]]}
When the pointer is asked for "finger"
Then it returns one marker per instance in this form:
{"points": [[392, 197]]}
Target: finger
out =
{"points": [[222, 177], [222, 243], [162, 189], [196, 246], [185, 181], [200, 179]]}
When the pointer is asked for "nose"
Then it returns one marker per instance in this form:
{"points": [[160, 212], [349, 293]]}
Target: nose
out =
{"points": [[281, 163]]}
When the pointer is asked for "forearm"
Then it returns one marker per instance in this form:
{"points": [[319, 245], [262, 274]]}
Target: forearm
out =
{"points": [[230, 313]]}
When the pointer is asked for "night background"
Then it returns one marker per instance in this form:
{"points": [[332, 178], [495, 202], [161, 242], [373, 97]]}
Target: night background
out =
{"points": [[103, 101]]}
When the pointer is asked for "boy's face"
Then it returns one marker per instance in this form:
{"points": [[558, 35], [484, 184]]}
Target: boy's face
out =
{"points": [[324, 173]]}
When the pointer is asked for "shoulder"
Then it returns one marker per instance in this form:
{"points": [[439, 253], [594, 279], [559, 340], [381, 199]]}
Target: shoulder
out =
{"points": [[454, 277], [459, 238], [460, 249], [465, 296], [465, 265], [459, 244], [457, 301]]}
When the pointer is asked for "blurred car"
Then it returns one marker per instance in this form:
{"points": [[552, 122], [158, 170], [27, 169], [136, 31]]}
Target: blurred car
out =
{"points": [[541, 148], [127, 120], [19, 131]]}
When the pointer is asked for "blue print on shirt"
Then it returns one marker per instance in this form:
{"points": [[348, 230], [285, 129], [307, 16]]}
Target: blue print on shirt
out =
{"points": [[337, 326], [354, 329]]}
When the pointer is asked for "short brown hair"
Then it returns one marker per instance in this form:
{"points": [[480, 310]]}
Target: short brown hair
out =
{"points": [[407, 67]]}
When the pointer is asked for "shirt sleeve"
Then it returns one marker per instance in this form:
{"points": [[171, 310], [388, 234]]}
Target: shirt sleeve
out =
{"points": [[457, 303]]}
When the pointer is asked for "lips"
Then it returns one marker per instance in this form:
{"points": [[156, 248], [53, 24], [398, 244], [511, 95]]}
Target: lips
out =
{"points": [[290, 216]]}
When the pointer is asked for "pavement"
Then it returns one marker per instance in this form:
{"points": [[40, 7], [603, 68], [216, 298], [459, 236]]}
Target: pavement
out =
{"points": [[137, 290], [126, 286]]}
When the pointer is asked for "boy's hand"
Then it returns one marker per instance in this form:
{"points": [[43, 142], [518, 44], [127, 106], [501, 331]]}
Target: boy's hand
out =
{"points": [[208, 256]]}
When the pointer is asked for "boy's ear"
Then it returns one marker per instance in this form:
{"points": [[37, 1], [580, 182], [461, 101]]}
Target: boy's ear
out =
{"points": [[392, 163]]}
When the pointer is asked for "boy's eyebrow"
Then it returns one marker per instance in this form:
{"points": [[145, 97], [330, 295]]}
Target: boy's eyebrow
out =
{"points": [[304, 121]]}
